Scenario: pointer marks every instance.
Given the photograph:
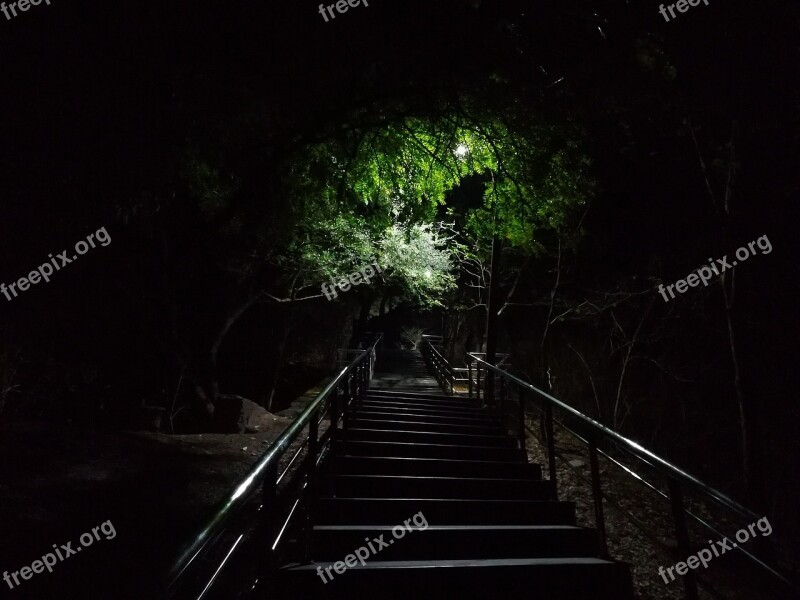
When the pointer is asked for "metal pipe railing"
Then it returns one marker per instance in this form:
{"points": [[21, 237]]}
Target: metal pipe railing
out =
{"points": [[702, 522], [438, 363], [188, 578], [596, 432]]}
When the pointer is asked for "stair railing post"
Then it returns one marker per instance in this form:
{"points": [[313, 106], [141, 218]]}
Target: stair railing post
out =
{"points": [[311, 479], [451, 379], [269, 499], [522, 420], [489, 391], [356, 387], [352, 383], [347, 395], [597, 493], [362, 382], [469, 376], [336, 409], [551, 449], [341, 409], [478, 387], [356, 374], [501, 397], [682, 535]]}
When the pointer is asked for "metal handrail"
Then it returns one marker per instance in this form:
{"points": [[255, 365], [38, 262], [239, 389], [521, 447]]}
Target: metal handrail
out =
{"points": [[441, 368], [696, 518], [353, 380], [597, 431], [634, 448]]}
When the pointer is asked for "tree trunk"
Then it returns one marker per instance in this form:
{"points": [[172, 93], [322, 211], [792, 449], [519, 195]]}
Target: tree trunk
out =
{"points": [[363, 316], [746, 412], [287, 329], [178, 350], [384, 302], [745, 405], [210, 378], [542, 345], [491, 317]]}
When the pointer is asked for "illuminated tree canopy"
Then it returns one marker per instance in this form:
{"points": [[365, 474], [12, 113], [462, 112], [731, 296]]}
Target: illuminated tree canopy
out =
{"points": [[353, 196], [386, 192]]}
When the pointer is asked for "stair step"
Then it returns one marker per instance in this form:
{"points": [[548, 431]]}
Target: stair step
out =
{"points": [[422, 397], [391, 486], [431, 404], [415, 416], [356, 433], [369, 405], [491, 527], [387, 393], [392, 511], [421, 450], [374, 465], [456, 542], [401, 424], [473, 579]]}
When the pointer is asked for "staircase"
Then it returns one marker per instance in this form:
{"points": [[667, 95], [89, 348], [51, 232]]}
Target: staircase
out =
{"points": [[484, 525]]}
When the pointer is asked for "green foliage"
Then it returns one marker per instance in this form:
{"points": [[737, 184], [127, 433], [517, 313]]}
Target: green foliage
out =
{"points": [[208, 187], [381, 191], [541, 180], [419, 259], [331, 247], [412, 335]]}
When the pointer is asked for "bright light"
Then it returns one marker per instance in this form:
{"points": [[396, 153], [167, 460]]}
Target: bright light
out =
{"points": [[428, 274], [461, 151]]}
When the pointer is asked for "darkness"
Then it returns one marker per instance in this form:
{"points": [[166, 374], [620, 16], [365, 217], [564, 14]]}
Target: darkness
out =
{"points": [[104, 104]]}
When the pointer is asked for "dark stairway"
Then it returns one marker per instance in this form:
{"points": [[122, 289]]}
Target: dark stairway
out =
{"points": [[493, 530]]}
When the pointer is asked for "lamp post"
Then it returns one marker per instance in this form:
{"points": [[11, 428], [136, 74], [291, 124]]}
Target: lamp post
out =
{"points": [[461, 151], [492, 302]]}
